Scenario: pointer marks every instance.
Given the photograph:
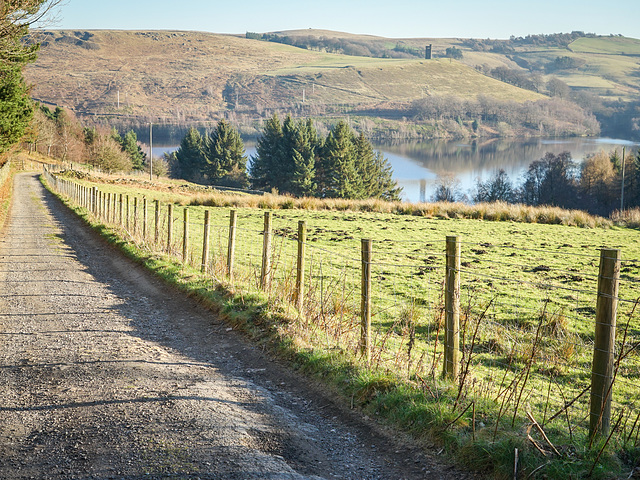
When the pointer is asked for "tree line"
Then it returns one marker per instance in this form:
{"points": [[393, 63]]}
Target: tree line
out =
{"points": [[594, 185], [345, 46], [291, 158], [58, 134], [553, 116]]}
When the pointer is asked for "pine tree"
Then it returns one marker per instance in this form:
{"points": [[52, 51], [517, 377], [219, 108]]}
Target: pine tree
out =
{"points": [[16, 110], [375, 175], [115, 135], [387, 187], [190, 157], [15, 106], [224, 152], [305, 143], [131, 147], [339, 177], [283, 171], [303, 181], [268, 155]]}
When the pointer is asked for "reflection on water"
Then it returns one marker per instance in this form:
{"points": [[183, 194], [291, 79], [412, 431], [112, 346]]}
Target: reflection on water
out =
{"points": [[416, 165]]}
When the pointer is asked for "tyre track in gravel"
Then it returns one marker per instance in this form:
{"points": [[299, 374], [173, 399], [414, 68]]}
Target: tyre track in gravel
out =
{"points": [[105, 372]]}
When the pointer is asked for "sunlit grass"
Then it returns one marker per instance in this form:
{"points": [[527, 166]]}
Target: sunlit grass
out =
{"points": [[527, 306]]}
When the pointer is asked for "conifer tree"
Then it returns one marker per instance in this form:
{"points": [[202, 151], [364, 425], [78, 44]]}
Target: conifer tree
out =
{"points": [[131, 147], [375, 172], [16, 109], [633, 195], [268, 155], [303, 181], [190, 156], [224, 152], [339, 175], [282, 170], [305, 143], [15, 106]]}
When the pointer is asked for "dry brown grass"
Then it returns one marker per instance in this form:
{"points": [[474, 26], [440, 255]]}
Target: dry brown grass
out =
{"points": [[181, 76], [498, 211], [185, 193], [628, 218]]}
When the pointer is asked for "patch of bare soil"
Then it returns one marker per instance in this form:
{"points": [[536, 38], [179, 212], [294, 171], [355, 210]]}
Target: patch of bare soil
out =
{"points": [[107, 373]]}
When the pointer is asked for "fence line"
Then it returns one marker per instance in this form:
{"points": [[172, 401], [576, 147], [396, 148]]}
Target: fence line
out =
{"points": [[525, 338]]}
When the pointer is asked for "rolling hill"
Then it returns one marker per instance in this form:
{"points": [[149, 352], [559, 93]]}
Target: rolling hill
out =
{"points": [[607, 66], [195, 75]]}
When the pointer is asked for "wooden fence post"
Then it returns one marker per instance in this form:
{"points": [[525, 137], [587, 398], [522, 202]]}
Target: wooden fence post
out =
{"points": [[169, 227], [185, 236], [128, 214], [231, 247], [603, 349], [128, 227], [265, 275], [365, 299], [302, 243], [452, 310], [94, 200], [156, 235], [205, 241], [135, 215], [121, 211], [145, 220], [107, 206]]}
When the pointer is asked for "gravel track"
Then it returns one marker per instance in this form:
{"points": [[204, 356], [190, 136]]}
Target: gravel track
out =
{"points": [[105, 372]]}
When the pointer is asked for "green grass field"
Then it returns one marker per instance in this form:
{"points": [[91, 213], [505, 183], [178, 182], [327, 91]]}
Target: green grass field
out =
{"points": [[527, 312], [607, 45]]}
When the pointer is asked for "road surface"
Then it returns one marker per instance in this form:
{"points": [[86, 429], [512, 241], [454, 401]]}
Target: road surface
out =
{"points": [[105, 372]]}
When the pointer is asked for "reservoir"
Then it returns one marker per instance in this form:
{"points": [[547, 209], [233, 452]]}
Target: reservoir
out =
{"points": [[417, 164]]}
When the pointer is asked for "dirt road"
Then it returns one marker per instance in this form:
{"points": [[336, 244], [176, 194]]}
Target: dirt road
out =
{"points": [[107, 373]]}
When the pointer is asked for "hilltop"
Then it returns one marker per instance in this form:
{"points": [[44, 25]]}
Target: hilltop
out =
{"points": [[196, 75], [182, 77], [607, 66]]}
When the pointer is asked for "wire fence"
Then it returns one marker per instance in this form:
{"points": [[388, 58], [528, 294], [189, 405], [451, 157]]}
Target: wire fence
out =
{"points": [[527, 316]]}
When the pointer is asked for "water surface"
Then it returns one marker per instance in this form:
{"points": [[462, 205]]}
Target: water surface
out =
{"points": [[417, 164]]}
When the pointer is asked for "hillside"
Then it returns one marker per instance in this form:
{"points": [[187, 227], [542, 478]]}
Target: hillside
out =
{"points": [[194, 75], [606, 66]]}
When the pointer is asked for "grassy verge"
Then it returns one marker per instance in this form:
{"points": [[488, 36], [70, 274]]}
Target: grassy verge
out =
{"points": [[6, 188], [544, 337]]}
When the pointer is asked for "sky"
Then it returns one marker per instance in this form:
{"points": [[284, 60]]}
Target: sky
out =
{"points": [[396, 19]]}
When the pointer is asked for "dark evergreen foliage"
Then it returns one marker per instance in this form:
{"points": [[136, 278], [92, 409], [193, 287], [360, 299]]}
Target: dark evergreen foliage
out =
{"points": [[217, 158], [15, 106], [291, 159], [224, 155], [130, 147], [263, 170], [190, 157], [338, 162]]}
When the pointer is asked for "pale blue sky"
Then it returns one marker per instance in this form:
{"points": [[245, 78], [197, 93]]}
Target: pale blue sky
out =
{"points": [[400, 18]]}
